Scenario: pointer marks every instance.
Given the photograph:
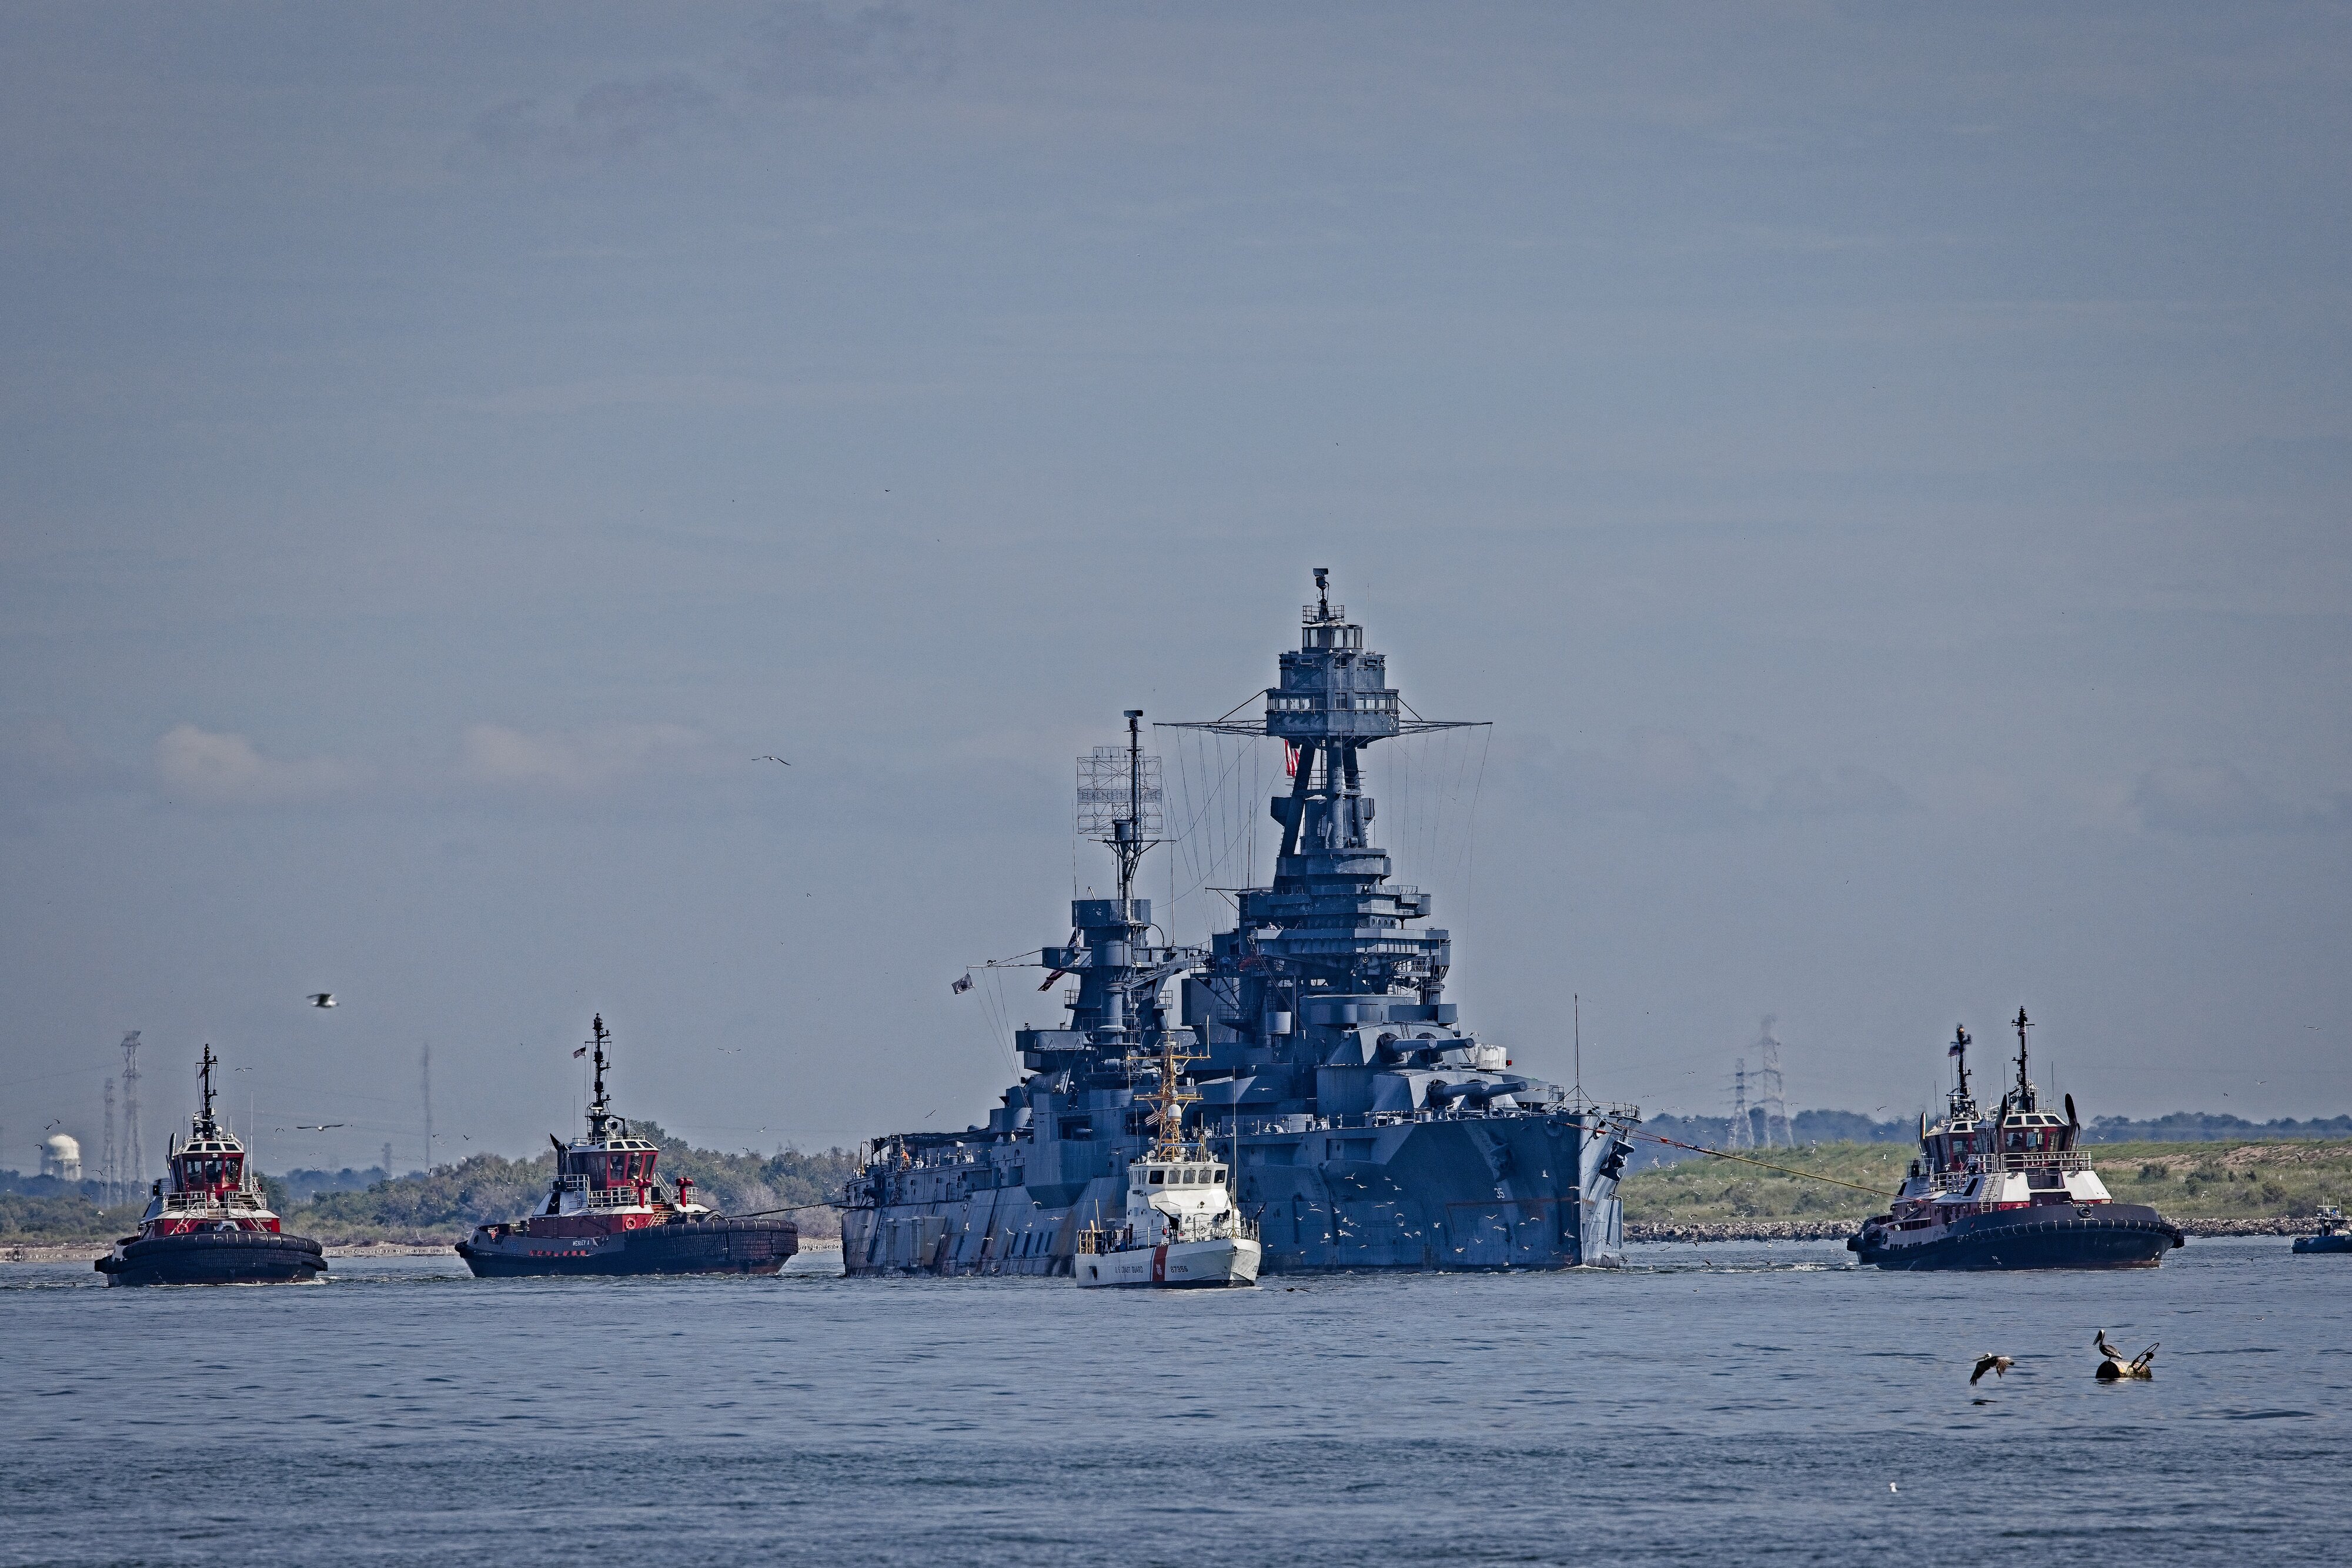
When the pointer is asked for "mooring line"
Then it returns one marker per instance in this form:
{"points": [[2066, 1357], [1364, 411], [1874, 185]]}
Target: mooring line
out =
{"points": [[1743, 1159]]}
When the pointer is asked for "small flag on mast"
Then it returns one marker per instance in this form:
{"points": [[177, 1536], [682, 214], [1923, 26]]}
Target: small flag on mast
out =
{"points": [[960, 986], [581, 1052]]}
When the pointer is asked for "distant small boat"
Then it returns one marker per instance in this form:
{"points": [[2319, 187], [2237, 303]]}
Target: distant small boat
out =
{"points": [[206, 1223], [2334, 1235], [2010, 1190]]}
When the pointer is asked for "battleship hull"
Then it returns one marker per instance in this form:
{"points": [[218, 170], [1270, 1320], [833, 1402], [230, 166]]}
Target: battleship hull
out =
{"points": [[683, 1247], [1427, 1194], [2089, 1236], [216, 1257]]}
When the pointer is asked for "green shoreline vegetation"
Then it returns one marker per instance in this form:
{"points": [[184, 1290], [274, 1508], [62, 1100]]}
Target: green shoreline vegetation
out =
{"points": [[446, 1202], [2266, 1179]]}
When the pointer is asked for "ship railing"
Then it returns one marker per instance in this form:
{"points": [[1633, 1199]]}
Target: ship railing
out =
{"points": [[572, 1183], [614, 1198], [2036, 1160], [1260, 1126]]}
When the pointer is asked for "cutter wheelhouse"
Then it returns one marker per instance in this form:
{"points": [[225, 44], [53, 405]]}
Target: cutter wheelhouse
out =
{"points": [[607, 1212], [2012, 1191], [207, 1221]]}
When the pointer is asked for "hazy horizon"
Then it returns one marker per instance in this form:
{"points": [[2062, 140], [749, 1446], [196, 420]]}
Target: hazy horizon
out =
{"points": [[1882, 472]]}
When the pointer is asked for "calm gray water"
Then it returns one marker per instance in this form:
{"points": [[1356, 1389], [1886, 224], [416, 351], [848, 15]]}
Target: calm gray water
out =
{"points": [[1755, 1402]]}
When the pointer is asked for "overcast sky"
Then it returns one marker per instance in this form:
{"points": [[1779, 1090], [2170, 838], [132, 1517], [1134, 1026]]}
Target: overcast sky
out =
{"points": [[1882, 469]]}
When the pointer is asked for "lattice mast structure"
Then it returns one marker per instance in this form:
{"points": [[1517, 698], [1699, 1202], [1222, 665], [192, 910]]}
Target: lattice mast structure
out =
{"points": [[1120, 801], [425, 1071], [1743, 1122], [1769, 1095], [134, 1165], [109, 1179]]}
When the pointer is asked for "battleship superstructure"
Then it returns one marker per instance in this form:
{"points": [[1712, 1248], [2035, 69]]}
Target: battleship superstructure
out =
{"points": [[1368, 1128]]}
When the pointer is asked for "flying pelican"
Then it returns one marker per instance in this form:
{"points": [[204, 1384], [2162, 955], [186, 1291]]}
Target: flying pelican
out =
{"points": [[322, 998], [1998, 1365]]}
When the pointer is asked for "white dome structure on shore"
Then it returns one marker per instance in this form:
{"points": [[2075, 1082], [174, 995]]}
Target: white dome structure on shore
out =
{"points": [[61, 1158]]}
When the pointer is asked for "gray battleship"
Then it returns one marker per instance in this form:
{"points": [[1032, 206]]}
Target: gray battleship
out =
{"points": [[1368, 1127]]}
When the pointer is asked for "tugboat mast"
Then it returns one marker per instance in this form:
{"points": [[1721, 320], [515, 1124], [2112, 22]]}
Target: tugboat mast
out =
{"points": [[205, 1076], [2024, 1088], [598, 1115]]}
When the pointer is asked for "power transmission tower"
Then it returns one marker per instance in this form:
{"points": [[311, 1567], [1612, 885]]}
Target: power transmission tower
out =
{"points": [[428, 1106], [134, 1167], [1743, 1126], [1769, 1094], [109, 1176]]}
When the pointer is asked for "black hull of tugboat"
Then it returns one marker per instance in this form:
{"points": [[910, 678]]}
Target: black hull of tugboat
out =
{"points": [[216, 1257], [2114, 1235], [685, 1247]]}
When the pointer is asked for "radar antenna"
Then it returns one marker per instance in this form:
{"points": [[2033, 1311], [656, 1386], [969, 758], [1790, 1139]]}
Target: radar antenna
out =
{"points": [[1120, 801], [1172, 1095]]}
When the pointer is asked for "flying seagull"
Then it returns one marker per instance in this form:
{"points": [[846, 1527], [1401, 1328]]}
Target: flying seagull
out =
{"points": [[318, 1126], [322, 998], [1998, 1365], [770, 759]]}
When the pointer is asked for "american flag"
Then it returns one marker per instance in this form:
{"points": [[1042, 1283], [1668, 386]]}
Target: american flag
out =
{"points": [[960, 986], [581, 1052]]}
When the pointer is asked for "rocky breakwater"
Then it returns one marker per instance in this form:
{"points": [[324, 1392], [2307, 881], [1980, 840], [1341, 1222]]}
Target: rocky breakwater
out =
{"points": [[1741, 1230], [1839, 1230]]}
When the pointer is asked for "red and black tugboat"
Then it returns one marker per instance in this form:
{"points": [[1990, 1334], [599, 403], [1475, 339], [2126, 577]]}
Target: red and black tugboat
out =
{"points": [[206, 1223], [2008, 1191], [608, 1213]]}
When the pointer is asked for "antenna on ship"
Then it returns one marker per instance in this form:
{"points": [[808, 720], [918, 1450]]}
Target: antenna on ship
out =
{"points": [[1961, 1043], [1170, 1098]]}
